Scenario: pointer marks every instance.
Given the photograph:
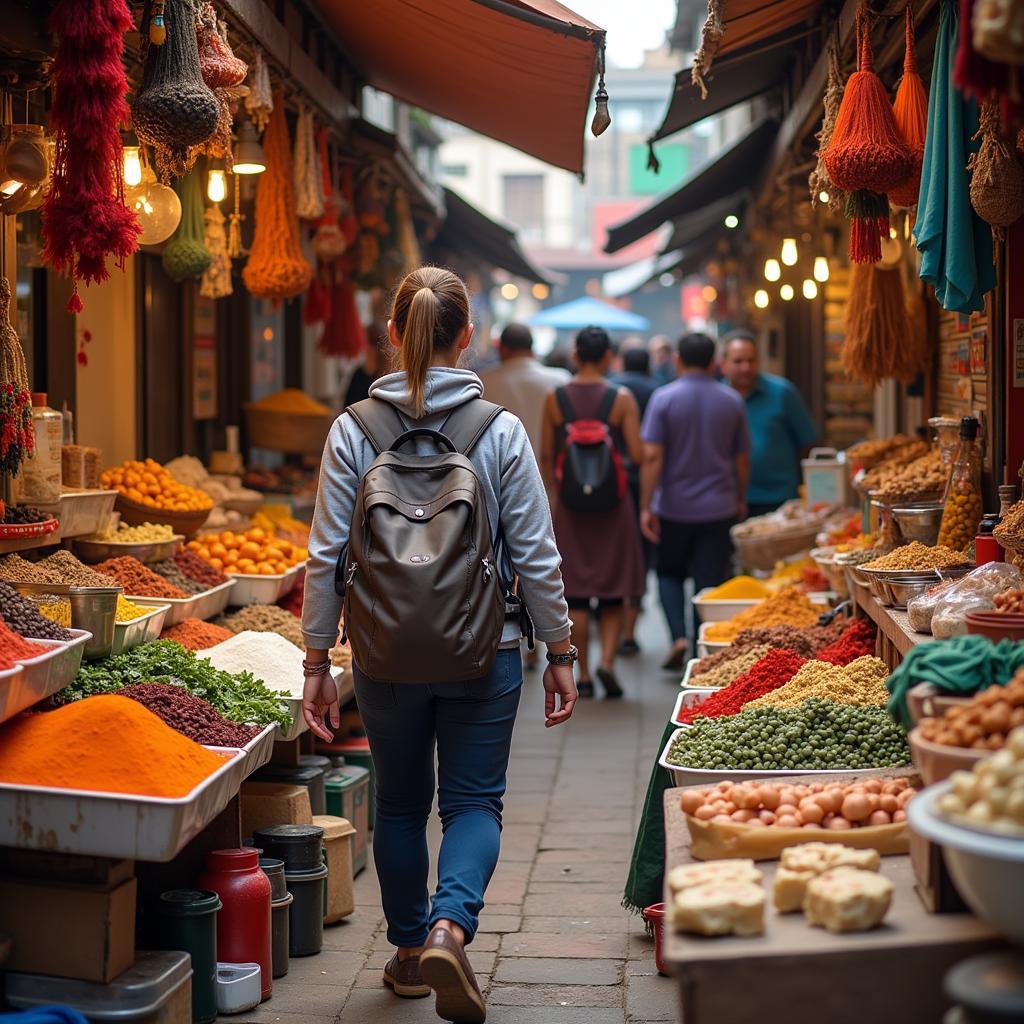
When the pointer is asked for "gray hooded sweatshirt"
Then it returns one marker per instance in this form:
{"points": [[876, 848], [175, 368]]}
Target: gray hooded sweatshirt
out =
{"points": [[512, 486]]}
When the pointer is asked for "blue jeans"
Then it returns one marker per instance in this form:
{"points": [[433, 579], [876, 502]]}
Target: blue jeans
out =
{"points": [[471, 723]]}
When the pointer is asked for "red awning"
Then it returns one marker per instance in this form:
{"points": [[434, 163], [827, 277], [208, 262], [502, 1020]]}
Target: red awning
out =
{"points": [[520, 71]]}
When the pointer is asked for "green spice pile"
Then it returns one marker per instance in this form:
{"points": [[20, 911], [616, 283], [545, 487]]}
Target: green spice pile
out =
{"points": [[818, 735], [239, 697]]}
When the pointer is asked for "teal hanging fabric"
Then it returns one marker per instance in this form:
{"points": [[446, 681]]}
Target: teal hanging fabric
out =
{"points": [[954, 242], [185, 256]]}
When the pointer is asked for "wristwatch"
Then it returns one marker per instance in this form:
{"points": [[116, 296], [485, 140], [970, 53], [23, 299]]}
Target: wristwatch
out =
{"points": [[569, 658]]}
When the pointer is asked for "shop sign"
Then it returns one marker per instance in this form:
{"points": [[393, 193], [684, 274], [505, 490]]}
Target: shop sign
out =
{"points": [[979, 341], [204, 360]]}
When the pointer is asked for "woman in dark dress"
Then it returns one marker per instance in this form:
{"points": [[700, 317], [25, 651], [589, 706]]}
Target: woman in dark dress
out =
{"points": [[602, 555]]}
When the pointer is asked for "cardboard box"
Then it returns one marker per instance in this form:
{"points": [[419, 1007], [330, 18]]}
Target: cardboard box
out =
{"points": [[272, 803], [338, 835], [71, 931], [100, 871]]}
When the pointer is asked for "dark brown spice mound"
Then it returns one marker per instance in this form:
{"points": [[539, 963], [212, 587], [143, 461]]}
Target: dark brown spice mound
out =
{"points": [[191, 716]]}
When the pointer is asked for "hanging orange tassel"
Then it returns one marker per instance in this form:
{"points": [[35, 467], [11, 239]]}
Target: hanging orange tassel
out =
{"points": [[910, 112], [866, 150]]}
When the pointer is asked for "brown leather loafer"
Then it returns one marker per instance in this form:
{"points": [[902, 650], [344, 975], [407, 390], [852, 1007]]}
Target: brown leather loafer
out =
{"points": [[404, 977], [445, 968]]}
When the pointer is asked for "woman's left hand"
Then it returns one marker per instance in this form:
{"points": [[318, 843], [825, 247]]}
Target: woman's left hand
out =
{"points": [[320, 705]]}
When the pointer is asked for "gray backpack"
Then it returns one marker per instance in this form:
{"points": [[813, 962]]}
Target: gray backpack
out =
{"points": [[424, 601]]}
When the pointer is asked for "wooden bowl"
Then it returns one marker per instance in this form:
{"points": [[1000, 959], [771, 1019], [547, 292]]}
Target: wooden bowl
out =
{"points": [[185, 523], [996, 626], [937, 761]]}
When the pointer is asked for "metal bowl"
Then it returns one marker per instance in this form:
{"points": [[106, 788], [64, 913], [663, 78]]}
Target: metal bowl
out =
{"points": [[901, 591], [919, 521], [880, 590]]}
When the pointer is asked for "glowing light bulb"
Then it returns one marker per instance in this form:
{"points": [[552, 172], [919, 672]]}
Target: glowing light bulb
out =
{"points": [[540, 291], [709, 293], [824, 197], [732, 221], [893, 233], [810, 289], [789, 252], [761, 299], [772, 270], [216, 186], [509, 291], [132, 166], [9, 187], [786, 292], [820, 269]]}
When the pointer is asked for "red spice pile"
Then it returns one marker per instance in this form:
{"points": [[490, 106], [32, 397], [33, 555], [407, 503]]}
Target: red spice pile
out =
{"points": [[775, 668], [198, 569], [858, 639], [191, 716], [14, 648], [292, 602], [197, 635], [139, 580]]}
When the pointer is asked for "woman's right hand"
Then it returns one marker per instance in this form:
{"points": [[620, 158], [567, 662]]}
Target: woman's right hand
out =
{"points": [[560, 681], [320, 706]]}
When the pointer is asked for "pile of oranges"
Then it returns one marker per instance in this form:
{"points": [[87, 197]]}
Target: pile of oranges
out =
{"points": [[148, 483], [256, 552]]}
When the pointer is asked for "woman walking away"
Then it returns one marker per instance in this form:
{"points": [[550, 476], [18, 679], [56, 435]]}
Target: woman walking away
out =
{"points": [[588, 425], [430, 501]]}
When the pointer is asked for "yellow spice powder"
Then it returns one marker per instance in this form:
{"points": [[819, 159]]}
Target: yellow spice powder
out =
{"points": [[787, 607]]}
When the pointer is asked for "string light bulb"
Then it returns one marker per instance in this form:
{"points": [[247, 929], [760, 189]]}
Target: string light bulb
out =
{"points": [[761, 299], [132, 166], [772, 270], [216, 186], [786, 293], [824, 197], [509, 292], [732, 221], [810, 289], [821, 271], [789, 253], [709, 293]]}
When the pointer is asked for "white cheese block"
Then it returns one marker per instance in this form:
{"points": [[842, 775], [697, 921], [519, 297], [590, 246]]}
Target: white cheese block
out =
{"points": [[719, 908], [819, 857], [790, 888], [687, 875], [847, 900], [847, 857]]}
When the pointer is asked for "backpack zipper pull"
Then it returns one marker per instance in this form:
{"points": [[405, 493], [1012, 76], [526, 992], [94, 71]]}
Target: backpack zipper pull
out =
{"points": [[352, 570], [488, 569]]}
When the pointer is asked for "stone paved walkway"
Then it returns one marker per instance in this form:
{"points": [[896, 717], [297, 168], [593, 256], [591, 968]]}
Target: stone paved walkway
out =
{"points": [[555, 946]]}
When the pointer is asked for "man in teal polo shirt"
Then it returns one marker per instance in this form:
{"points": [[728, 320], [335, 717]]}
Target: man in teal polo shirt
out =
{"points": [[781, 428]]}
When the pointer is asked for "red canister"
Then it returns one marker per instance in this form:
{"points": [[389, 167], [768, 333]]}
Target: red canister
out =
{"points": [[244, 921]]}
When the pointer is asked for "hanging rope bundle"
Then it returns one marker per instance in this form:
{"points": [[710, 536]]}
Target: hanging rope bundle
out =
{"points": [[175, 112], [309, 191], [866, 150], [217, 276], [710, 39], [85, 219], [185, 256], [868, 214], [260, 102], [235, 249], [910, 112], [328, 241], [343, 333], [276, 268], [17, 439], [218, 64], [997, 178], [819, 181]]}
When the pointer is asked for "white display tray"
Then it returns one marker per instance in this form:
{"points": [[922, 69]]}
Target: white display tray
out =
{"points": [[82, 512], [114, 824], [688, 671], [41, 677], [265, 589], [683, 776], [258, 750], [687, 698], [141, 630], [711, 610], [200, 606], [706, 647]]}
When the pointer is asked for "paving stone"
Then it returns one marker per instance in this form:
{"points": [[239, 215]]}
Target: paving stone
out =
{"points": [[577, 925], [572, 901], [555, 995], [292, 998], [381, 1004], [555, 1015], [500, 923], [652, 998], [597, 852], [640, 946], [586, 944], [266, 1013], [554, 971], [328, 968]]}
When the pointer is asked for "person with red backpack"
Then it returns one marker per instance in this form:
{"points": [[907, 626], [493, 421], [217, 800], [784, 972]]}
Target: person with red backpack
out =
{"points": [[588, 425], [430, 504]]}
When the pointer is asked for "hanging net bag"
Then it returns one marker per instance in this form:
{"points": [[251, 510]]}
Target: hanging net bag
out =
{"points": [[17, 439], [259, 103], [218, 65], [997, 178], [818, 181], [185, 256], [309, 190], [276, 268], [85, 219], [328, 240], [175, 112], [910, 112]]}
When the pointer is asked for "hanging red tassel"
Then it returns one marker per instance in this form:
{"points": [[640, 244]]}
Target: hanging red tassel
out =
{"points": [[910, 112], [866, 150], [84, 218], [343, 332]]}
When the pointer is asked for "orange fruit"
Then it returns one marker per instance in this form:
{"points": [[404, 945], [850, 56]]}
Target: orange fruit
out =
{"points": [[256, 534], [249, 550], [193, 545], [231, 558], [216, 563], [218, 550], [204, 553], [265, 569]]}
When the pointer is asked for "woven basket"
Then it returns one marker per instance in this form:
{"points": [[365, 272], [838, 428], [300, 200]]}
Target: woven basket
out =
{"points": [[287, 431], [186, 523], [763, 551]]}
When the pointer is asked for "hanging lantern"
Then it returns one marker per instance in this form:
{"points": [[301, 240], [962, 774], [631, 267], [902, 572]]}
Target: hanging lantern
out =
{"points": [[156, 207]]}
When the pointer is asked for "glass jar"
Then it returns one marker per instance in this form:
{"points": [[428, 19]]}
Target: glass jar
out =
{"points": [[947, 434], [40, 479], [963, 510]]}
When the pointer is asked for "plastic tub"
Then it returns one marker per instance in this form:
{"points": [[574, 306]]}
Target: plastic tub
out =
{"points": [[654, 915], [273, 868], [688, 671], [937, 761], [38, 678], [141, 630], [265, 589], [306, 914], [348, 796], [238, 987], [280, 931], [82, 512], [689, 697], [299, 846], [711, 610], [186, 919], [199, 606], [996, 626], [706, 647]]}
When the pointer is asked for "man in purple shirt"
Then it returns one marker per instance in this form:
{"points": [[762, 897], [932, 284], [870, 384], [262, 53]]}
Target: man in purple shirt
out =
{"points": [[693, 481]]}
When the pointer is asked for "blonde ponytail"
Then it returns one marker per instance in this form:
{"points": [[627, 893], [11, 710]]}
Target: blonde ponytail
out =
{"points": [[431, 309]]}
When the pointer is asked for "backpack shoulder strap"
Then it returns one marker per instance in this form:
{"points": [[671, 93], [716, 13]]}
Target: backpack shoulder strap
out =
{"points": [[467, 423], [604, 410], [379, 421], [565, 405]]}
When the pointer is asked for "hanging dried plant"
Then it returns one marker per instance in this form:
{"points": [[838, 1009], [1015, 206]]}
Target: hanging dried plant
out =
{"points": [[710, 39], [997, 178], [175, 112], [309, 192], [260, 102], [217, 276], [819, 181], [17, 439]]}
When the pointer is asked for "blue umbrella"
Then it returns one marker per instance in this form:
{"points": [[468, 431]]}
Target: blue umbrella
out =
{"points": [[588, 312]]}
